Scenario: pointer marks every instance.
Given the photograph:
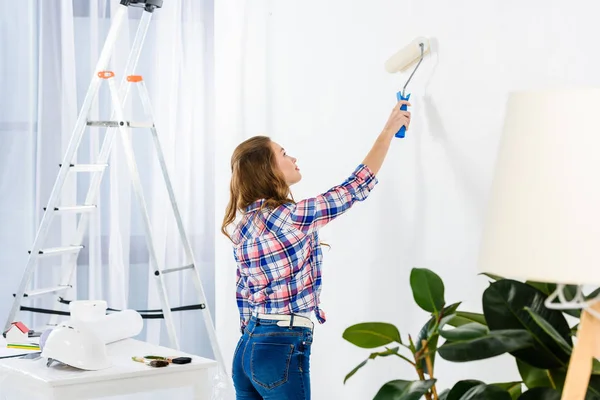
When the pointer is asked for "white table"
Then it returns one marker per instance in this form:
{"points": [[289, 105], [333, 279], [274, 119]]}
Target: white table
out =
{"points": [[34, 378]]}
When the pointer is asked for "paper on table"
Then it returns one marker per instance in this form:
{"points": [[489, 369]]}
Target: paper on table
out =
{"points": [[6, 353]]}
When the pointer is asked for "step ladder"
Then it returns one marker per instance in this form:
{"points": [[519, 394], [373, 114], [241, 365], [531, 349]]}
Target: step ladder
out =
{"points": [[118, 125]]}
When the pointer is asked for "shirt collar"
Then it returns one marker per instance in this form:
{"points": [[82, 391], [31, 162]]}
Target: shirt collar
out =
{"points": [[255, 205]]}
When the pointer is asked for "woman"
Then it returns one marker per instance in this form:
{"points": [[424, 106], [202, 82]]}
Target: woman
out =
{"points": [[277, 250]]}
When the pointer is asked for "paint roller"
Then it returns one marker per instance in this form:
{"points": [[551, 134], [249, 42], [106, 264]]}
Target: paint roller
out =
{"points": [[401, 61]]}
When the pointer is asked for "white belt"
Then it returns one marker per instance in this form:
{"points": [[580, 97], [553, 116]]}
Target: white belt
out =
{"points": [[284, 319]]}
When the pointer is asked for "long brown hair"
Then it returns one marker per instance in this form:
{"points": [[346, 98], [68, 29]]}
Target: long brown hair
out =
{"points": [[254, 176]]}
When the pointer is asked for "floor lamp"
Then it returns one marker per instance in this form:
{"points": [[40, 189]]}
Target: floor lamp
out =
{"points": [[543, 216]]}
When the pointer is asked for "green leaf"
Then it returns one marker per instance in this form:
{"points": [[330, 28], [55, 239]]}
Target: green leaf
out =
{"points": [[448, 313], [548, 288], [463, 318], [593, 388], [465, 332], [593, 294], [451, 309], [574, 330], [369, 335], [428, 289], [543, 287], [549, 329], [540, 393], [513, 388], [503, 306], [492, 276], [444, 394], [386, 353], [355, 370], [491, 345], [595, 367], [487, 392], [404, 390], [427, 332], [462, 387], [535, 377]]}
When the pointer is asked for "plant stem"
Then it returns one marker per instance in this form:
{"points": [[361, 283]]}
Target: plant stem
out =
{"points": [[406, 359], [430, 369], [412, 344], [422, 377], [406, 346], [417, 366], [550, 379], [425, 343], [424, 353]]}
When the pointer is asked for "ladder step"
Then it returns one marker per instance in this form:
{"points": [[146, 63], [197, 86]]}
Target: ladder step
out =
{"points": [[39, 292], [76, 209], [168, 271], [86, 167], [53, 251], [116, 124]]}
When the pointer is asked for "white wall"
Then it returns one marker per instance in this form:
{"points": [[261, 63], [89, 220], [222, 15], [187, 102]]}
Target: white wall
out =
{"points": [[327, 97]]}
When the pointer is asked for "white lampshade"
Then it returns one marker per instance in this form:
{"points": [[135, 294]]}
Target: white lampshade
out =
{"points": [[543, 216]]}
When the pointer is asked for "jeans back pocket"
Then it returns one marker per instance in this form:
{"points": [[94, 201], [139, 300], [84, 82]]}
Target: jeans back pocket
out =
{"points": [[270, 363]]}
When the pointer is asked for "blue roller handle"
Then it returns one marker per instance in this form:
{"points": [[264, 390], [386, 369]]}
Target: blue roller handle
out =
{"points": [[402, 131]]}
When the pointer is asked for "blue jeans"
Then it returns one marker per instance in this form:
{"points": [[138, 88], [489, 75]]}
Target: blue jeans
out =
{"points": [[271, 362]]}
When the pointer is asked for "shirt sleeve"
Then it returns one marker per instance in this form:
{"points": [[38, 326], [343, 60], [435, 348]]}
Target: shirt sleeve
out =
{"points": [[242, 300], [312, 214]]}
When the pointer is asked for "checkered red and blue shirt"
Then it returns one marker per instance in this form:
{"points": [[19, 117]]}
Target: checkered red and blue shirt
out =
{"points": [[278, 254]]}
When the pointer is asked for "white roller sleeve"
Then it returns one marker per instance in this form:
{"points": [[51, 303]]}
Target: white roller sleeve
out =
{"points": [[407, 56], [85, 310], [117, 326]]}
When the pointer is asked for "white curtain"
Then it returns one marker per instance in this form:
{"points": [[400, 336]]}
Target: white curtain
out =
{"points": [[44, 75]]}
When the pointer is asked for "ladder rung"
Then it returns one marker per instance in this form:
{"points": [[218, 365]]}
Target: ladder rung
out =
{"points": [[168, 271], [116, 124], [76, 209], [53, 251], [108, 124], [86, 167], [39, 292], [142, 124]]}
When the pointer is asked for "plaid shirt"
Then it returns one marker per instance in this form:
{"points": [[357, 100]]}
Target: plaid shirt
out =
{"points": [[278, 254]]}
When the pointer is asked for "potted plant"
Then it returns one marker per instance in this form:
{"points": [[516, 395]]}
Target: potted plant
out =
{"points": [[514, 320]]}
